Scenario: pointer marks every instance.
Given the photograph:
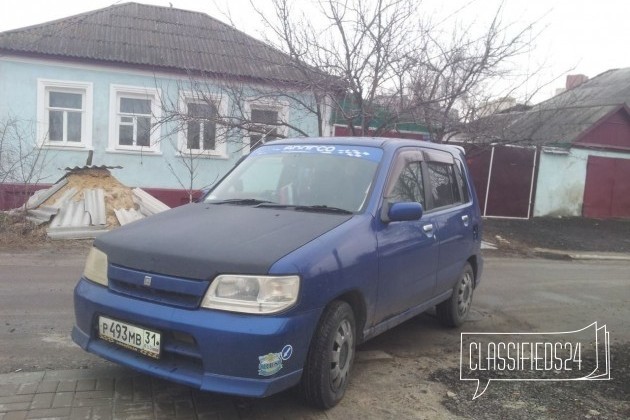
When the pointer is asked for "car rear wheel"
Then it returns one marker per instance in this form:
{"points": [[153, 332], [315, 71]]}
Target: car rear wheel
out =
{"points": [[453, 312], [330, 357]]}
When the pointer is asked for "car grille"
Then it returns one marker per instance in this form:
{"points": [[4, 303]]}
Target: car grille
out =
{"points": [[183, 293]]}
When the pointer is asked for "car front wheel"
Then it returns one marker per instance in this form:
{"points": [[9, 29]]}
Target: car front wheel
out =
{"points": [[330, 357]]}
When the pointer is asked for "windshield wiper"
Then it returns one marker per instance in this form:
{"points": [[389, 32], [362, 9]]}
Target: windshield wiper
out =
{"points": [[314, 208], [323, 209], [240, 201]]}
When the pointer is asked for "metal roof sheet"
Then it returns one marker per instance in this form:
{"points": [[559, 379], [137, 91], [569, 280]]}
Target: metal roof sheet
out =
{"points": [[157, 37], [148, 204], [79, 219], [126, 216], [95, 206], [81, 168], [563, 118], [40, 196]]}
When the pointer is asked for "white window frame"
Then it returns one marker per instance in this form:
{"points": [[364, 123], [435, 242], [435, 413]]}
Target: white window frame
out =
{"points": [[44, 86], [220, 140], [122, 91], [282, 107]]}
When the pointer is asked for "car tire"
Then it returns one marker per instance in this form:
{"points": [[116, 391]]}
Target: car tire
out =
{"points": [[453, 311], [330, 357]]}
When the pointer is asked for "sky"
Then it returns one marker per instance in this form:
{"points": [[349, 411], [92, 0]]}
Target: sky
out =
{"points": [[573, 36]]}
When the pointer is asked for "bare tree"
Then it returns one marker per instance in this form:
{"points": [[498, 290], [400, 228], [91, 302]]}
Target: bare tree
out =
{"points": [[365, 46], [209, 114], [372, 65], [22, 161], [393, 64], [456, 71]]}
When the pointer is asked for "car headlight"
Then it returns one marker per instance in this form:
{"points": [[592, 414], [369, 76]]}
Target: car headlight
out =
{"points": [[96, 267], [252, 294]]}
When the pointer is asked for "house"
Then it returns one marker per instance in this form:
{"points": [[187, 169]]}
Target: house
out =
{"points": [[173, 96], [567, 156]]}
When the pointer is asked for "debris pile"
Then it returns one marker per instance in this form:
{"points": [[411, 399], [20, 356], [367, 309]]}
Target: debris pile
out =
{"points": [[88, 201]]}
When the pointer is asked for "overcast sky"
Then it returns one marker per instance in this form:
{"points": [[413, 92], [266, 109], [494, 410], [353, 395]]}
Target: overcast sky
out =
{"points": [[579, 36]]}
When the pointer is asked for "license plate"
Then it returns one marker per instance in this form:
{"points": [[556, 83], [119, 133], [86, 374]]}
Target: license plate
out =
{"points": [[130, 336]]}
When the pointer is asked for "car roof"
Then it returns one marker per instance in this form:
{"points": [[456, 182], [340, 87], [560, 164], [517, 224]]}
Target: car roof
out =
{"points": [[381, 142]]}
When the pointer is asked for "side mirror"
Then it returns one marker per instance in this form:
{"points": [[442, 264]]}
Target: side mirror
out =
{"points": [[408, 211]]}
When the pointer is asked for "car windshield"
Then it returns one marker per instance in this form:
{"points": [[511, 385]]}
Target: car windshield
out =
{"points": [[314, 176]]}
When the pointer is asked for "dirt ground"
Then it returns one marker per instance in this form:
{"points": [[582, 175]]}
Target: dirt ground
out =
{"points": [[19, 235], [526, 400], [420, 379], [568, 234], [513, 237]]}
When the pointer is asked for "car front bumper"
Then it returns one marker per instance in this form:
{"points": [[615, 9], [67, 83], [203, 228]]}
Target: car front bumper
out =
{"points": [[211, 350]]}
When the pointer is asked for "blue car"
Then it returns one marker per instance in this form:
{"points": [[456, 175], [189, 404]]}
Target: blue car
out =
{"points": [[305, 249]]}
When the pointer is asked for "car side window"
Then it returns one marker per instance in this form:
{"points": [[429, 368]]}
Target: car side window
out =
{"points": [[445, 190], [461, 181], [409, 185]]}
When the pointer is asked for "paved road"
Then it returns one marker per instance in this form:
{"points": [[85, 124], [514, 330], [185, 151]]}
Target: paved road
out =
{"points": [[516, 295]]}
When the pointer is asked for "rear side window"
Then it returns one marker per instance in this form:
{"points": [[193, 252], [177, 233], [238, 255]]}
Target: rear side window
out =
{"points": [[461, 181], [445, 190]]}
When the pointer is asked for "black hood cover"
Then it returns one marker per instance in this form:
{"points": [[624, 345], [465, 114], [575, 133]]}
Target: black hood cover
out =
{"points": [[199, 241]]}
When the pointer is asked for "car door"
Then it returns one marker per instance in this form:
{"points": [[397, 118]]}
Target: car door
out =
{"points": [[451, 209], [407, 250]]}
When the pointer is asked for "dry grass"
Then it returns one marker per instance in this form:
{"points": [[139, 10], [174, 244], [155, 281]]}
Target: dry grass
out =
{"points": [[18, 234]]}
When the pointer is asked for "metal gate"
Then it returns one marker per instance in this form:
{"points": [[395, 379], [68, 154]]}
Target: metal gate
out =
{"points": [[607, 188], [504, 179]]}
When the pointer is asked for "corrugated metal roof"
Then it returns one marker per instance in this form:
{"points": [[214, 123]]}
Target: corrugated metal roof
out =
{"points": [[158, 37], [42, 214], [148, 204], [545, 126], [65, 197], [79, 219], [609, 88], [563, 118], [126, 216], [81, 168], [95, 206], [42, 195]]}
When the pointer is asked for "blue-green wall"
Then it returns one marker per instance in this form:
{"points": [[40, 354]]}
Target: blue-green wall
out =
{"points": [[18, 97], [561, 180]]}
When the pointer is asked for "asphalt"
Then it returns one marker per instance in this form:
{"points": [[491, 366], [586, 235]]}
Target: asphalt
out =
{"points": [[113, 392]]}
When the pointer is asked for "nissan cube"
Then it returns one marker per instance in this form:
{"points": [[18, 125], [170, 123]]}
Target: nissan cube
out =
{"points": [[305, 249]]}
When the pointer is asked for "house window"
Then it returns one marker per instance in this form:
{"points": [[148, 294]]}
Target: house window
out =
{"points": [[64, 113], [202, 134], [264, 124], [201, 128], [133, 117], [265, 120], [134, 122]]}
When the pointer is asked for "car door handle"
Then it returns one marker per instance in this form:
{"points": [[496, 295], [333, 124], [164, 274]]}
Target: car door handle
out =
{"points": [[465, 219], [427, 228]]}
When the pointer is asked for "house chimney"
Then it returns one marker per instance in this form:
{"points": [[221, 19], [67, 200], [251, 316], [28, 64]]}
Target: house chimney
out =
{"points": [[575, 80]]}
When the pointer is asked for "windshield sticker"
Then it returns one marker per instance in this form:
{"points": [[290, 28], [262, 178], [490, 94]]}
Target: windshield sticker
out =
{"points": [[370, 153]]}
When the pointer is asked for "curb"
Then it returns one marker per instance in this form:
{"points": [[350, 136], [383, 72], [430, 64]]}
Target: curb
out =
{"points": [[572, 255]]}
